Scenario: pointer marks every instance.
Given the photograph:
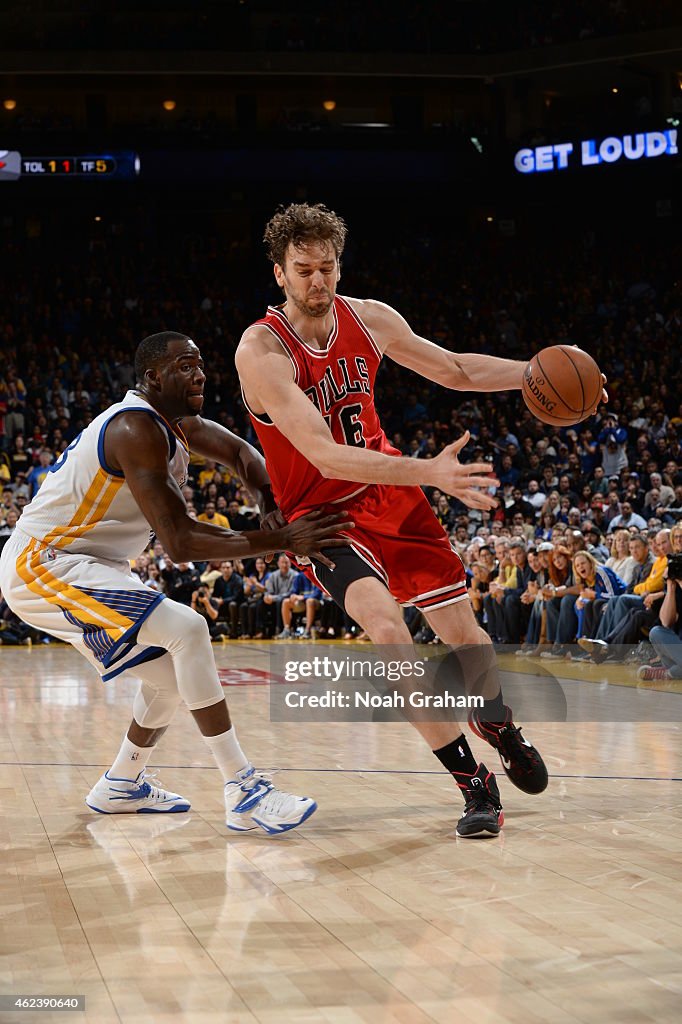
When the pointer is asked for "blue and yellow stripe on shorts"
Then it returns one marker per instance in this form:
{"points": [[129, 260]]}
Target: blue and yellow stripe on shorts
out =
{"points": [[109, 619]]}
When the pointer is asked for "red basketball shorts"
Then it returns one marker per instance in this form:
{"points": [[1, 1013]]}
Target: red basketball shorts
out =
{"points": [[397, 535]]}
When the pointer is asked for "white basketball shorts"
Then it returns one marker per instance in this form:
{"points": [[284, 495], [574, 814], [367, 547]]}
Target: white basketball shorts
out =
{"points": [[94, 604]]}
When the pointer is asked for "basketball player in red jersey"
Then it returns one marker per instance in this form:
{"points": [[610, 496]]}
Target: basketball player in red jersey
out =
{"points": [[307, 372]]}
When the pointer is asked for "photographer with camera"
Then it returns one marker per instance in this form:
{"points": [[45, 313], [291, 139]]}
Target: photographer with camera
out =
{"points": [[667, 638], [207, 607], [181, 580]]}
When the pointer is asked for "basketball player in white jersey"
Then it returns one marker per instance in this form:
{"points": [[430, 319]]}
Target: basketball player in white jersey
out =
{"points": [[65, 570]]}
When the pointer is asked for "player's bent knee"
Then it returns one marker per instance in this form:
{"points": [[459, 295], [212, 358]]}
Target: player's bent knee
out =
{"points": [[192, 627], [153, 708], [389, 633], [175, 627], [481, 637], [196, 635]]}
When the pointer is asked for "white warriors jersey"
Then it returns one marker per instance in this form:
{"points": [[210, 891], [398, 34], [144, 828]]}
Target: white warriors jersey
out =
{"points": [[86, 507]]}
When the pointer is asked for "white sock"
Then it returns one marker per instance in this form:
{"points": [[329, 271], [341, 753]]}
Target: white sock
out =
{"points": [[130, 760], [229, 756]]}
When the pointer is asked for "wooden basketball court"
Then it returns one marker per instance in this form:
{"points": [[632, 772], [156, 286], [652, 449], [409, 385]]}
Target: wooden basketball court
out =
{"points": [[373, 911]]}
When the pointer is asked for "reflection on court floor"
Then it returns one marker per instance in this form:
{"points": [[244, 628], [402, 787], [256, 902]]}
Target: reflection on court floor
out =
{"points": [[372, 912]]}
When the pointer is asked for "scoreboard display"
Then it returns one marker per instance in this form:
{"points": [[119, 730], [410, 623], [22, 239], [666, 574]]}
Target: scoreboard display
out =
{"points": [[90, 165], [121, 166]]}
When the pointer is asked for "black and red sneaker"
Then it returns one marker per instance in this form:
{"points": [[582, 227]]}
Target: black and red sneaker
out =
{"points": [[522, 763], [482, 808]]}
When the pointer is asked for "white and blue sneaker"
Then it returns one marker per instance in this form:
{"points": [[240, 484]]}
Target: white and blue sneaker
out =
{"points": [[137, 796], [251, 801]]}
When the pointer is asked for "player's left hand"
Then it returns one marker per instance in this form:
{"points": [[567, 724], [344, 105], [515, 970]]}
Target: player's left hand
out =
{"points": [[604, 393], [470, 483]]}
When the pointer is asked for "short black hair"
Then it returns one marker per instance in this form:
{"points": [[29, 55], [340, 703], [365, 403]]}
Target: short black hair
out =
{"points": [[151, 351]]}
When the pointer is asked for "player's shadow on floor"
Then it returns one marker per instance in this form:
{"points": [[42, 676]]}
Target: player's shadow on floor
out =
{"points": [[382, 855]]}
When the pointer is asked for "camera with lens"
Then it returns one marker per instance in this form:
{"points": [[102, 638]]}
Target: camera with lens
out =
{"points": [[201, 592], [675, 567]]}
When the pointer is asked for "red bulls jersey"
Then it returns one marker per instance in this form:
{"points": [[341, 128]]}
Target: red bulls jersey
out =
{"points": [[339, 381]]}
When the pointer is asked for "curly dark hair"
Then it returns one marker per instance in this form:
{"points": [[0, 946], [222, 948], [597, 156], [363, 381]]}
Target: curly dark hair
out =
{"points": [[301, 223]]}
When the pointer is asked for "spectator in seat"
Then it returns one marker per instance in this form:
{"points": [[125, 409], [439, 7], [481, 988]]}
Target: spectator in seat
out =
{"points": [[516, 610], [535, 595], [278, 586], [666, 638], [207, 607], [210, 574], [8, 526], [519, 504], [666, 494], [598, 585], [621, 623], [522, 528], [239, 520], [304, 597], [562, 593], [181, 580], [228, 594], [154, 580], [39, 472], [594, 542], [620, 559], [210, 515], [140, 567], [478, 588], [543, 532], [19, 459], [613, 506], [503, 576], [627, 518], [534, 496], [552, 505], [251, 608], [599, 483], [612, 440]]}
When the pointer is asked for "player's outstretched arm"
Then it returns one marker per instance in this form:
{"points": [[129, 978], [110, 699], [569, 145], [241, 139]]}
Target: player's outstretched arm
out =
{"points": [[136, 446], [268, 381], [213, 441], [461, 371], [465, 371]]}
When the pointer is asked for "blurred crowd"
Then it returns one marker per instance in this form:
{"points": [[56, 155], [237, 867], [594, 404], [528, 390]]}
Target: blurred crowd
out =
{"points": [[429, 26], [588, 516]]}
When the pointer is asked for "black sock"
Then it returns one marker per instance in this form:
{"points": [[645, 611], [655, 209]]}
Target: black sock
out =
{"points": [[457, 758], [493, 710]]}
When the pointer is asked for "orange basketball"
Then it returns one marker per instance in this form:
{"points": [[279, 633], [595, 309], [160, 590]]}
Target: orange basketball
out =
{"points": [[562, 385]]}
